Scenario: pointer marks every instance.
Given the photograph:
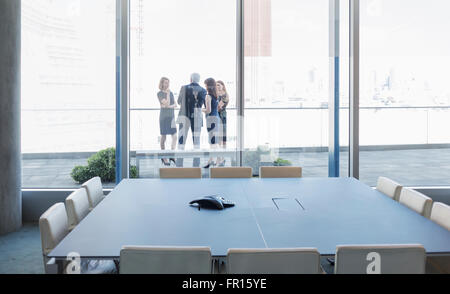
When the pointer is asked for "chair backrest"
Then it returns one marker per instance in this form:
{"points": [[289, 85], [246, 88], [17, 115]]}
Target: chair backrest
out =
{"points": [[180, 173], [94, 191], [53, 226], [231, 172], [273, 261], [280, 172], [389, 188], [77, 207], [380, 259], [165, 260], [440, 214], [416, 201]]}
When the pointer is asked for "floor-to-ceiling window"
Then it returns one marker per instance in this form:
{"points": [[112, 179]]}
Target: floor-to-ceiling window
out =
{"points": [[169, 41], [287, 84], [68, 85], [68, 91], [404, 96]]}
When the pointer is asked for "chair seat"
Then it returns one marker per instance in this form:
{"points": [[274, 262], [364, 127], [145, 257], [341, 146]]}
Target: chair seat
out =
{"points": [[98, 267]]}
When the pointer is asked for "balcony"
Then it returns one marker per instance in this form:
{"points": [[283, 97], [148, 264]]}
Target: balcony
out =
{"points": [[404, 143]]}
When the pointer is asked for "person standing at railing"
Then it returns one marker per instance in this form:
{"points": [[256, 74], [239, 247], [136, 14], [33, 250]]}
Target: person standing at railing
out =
{"points": [[212, 116], [224, 99], [191, 100], [167, 116]]}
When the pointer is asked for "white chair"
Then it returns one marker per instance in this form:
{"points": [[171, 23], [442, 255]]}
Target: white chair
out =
{"points": [[380, 259], [389, 188], [280, 172], [416, 201], [180, 173], [165, 260], [273, 261], [77, 207], [440, 214], [53, 227], [94, 191], [231, 172]]}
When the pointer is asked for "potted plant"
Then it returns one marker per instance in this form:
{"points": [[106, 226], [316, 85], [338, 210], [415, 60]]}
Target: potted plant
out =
{"points": [[282, 162], [261, 156]]}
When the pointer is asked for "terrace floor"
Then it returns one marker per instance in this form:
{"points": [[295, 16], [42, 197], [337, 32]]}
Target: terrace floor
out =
{"points": [[414, 167]]}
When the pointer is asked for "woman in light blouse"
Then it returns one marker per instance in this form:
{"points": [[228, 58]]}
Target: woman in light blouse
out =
{"points": [[224, 99], [167, 116]]}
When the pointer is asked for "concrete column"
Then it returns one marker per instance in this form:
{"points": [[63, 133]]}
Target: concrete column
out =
{"points": [[10, 152]]}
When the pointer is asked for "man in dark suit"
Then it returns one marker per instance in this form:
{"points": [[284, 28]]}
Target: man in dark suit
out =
{"points": [[191, 101]]}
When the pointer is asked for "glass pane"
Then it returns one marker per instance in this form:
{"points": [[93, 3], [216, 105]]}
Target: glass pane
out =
{"points": [[68, 91], [405, 98], [287, 84], [173, 39]]}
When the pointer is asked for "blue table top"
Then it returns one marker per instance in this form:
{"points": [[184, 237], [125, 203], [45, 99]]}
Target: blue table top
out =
{"points": [[272, 213]]}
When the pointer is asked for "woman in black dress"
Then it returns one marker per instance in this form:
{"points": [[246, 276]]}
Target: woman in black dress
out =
{"points": [[167, 116], [224, 99]]}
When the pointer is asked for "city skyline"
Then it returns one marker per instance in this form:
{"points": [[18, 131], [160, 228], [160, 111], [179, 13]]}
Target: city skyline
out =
{"points": [[68, 63], [67, 60]]}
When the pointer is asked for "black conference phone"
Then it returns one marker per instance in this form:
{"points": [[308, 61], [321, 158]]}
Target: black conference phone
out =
{"points": [[212, 202]]}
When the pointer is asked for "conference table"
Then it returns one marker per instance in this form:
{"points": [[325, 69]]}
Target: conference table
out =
{"points": [[269, 213]]}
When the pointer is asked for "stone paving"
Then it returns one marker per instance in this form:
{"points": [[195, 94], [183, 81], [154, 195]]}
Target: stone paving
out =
{"points": [[416, 167]]}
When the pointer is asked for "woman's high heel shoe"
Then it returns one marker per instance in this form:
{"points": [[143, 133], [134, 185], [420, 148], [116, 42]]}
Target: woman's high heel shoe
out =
{"points": [[172, 160], [165, 162]]}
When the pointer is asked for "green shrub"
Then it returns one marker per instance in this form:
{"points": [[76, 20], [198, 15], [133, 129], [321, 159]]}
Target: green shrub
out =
{"points": [[133, 172], [281, 162], [81, 174], [103, 165]]}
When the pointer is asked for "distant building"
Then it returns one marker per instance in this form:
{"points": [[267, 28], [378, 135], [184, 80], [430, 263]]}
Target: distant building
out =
{"points": [[258, 28], [258, 51]]}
